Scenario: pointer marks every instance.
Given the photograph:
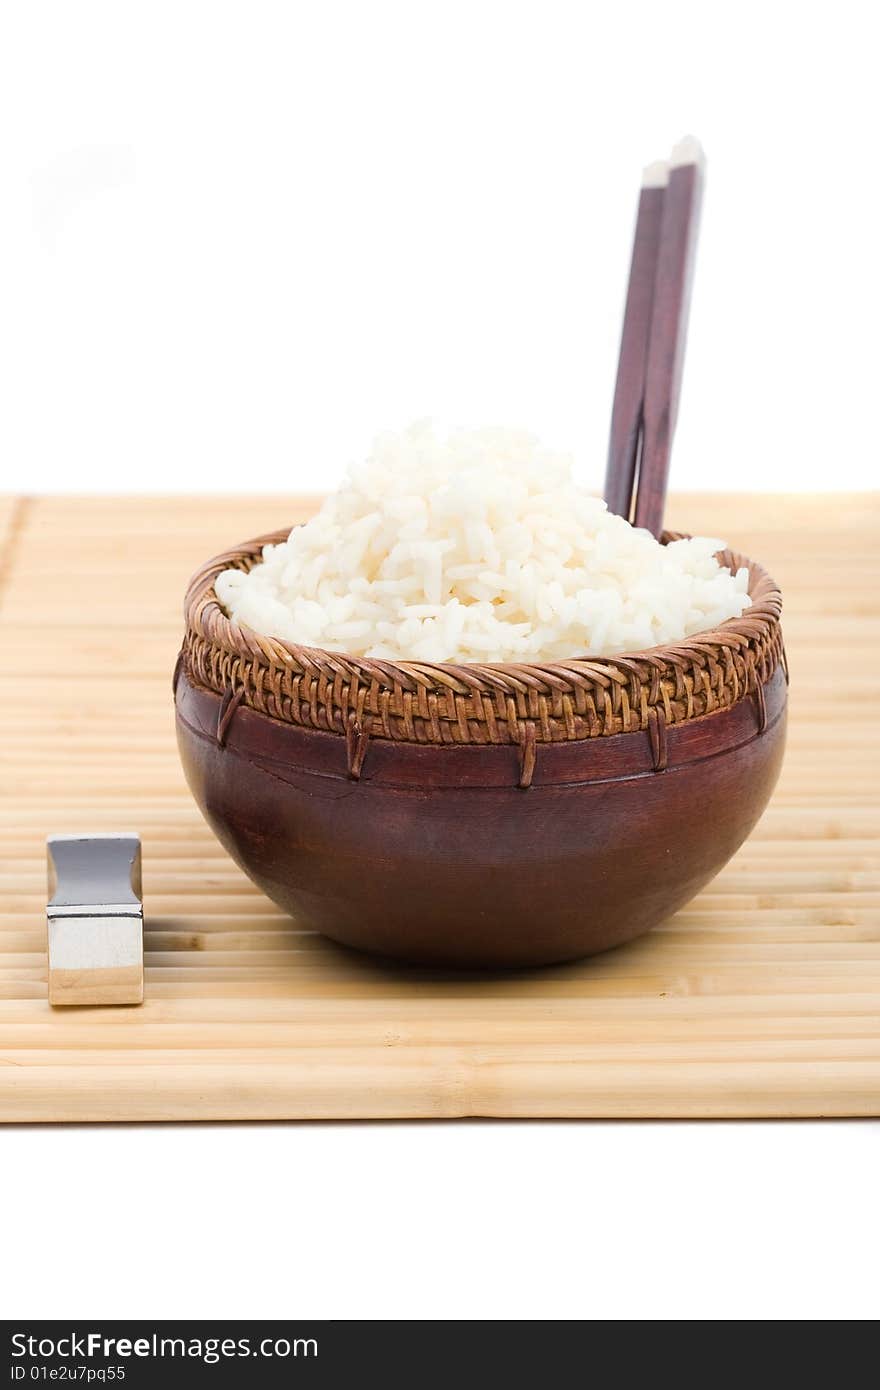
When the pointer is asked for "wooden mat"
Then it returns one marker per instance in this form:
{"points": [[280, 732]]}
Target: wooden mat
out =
{"points": [[762, 997]]}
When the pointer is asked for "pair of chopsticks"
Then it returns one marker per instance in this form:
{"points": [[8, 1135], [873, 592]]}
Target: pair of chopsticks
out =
{"points": [[652, 345]]}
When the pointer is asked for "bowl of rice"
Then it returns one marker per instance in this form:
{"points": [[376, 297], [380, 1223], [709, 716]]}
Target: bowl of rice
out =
{"points": [[465, 716]]}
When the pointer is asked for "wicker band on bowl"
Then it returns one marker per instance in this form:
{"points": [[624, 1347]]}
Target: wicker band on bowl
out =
{"points": [[420, 702]]}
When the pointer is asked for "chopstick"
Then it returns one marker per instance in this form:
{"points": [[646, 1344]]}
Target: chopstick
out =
{"points": [[629, 390], [669, 321]]}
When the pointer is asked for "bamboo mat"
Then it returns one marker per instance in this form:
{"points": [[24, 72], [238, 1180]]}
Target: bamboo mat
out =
{"points": [[762, 997]]}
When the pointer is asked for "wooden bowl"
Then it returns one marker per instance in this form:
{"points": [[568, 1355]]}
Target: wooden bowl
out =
{"points": [[480, 816]]}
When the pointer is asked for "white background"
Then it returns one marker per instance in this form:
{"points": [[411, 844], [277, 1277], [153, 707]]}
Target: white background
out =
{"points": [[235, 242]]}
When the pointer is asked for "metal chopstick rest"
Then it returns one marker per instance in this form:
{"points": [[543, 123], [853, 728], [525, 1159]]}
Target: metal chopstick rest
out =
{"points": [[95, 919]]}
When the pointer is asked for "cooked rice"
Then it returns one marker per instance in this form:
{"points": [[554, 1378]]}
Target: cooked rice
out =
{"points": [[479, 547]]}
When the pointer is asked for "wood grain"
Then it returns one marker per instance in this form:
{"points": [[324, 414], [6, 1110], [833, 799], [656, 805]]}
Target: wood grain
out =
{"points": [[762, 997]]}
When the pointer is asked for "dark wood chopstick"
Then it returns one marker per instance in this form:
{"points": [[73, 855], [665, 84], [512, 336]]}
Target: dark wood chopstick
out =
{"points": [[629, 390], [669, 320]]}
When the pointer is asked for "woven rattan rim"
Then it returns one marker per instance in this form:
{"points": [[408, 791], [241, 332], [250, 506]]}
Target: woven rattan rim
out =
{"points": [[419, 702]]}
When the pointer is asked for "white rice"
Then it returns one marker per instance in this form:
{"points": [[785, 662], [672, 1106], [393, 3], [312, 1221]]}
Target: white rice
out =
{"points": [[479, 547]]}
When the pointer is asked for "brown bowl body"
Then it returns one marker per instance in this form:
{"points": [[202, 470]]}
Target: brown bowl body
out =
{"points": [[436, 854], [480, 815]]}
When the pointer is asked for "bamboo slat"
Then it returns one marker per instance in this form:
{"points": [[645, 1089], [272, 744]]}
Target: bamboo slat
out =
{"points": [[760, 998]]}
